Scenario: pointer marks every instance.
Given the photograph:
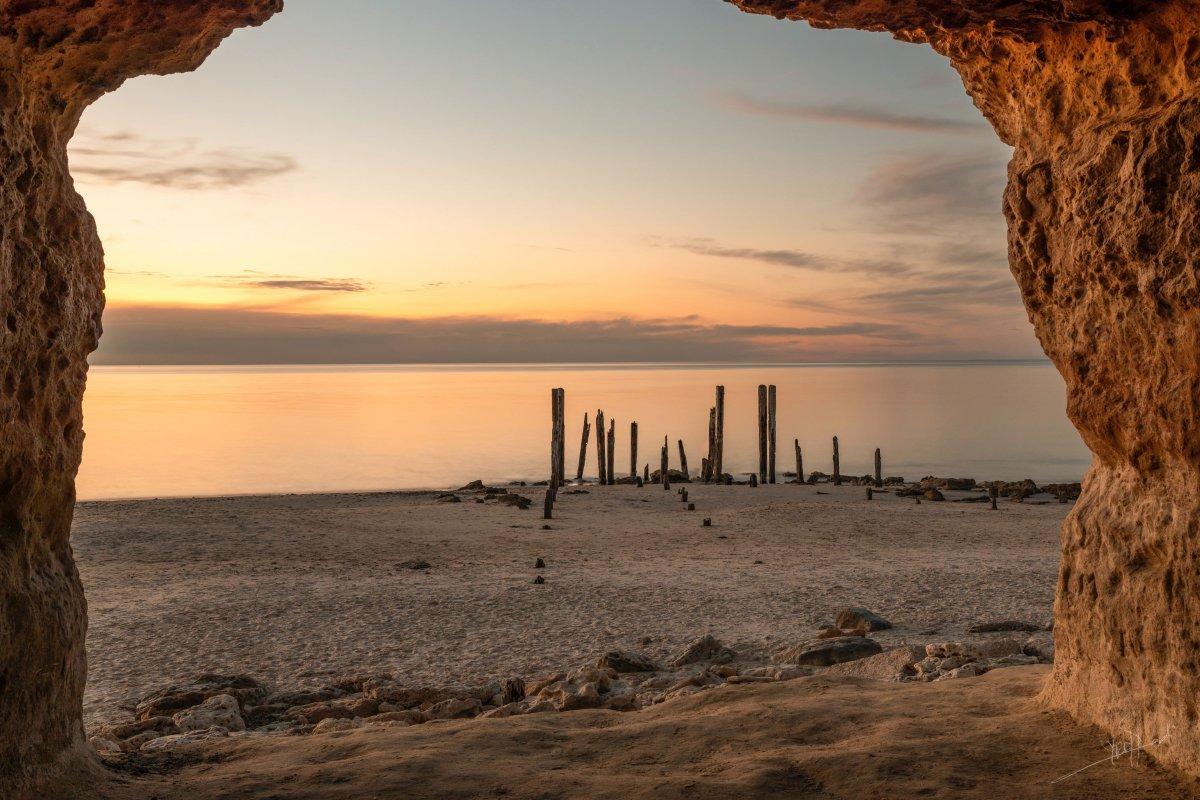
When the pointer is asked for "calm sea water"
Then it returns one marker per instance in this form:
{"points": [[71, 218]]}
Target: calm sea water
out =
{"points": [[182, 431]]}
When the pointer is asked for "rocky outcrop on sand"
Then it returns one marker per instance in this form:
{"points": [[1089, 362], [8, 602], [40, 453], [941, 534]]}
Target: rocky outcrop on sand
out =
{"points": [[213, 707]]}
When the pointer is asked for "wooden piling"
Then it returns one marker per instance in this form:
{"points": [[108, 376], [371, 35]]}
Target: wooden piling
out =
{"points": [[993, 494], [878, 469], [548, 505], [583, 443], [837, 464], [762, 433], [753, 481], [664, 470], [601, 458], [612, 452], [556, 433], [633, 449], [712, 444], [683, 462], [719, 460], [799, 463], [870, 493], [562, 436], [646, 474], [771, 395]]}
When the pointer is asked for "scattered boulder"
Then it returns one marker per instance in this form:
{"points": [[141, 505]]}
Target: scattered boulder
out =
{"points": [[102, 745], [953, 484], [415, 564], [514, 500], [1040, 647], [856, 617], [890, 665], [539, 564], [117, 733], [333, 725], [620, 661], [455, 708], [1063, 492], [165, 702], [183, 740], [827, 652], [706, 649], [933, 495], [1005, 625], [449, 498], [473, 486], [220, 710]]}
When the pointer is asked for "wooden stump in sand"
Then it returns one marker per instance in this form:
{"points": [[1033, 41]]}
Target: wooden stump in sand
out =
{"points": [[601, 458], [837, 464], [762, 433], [771, 393], [583, 443]]}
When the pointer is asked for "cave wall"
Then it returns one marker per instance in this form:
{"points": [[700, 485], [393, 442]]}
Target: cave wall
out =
{"points": [[1100, 102], [55, 59], [1097, 98]]}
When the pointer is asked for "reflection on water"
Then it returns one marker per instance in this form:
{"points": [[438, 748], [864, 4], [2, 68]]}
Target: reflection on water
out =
{"points": [[174, 431]]}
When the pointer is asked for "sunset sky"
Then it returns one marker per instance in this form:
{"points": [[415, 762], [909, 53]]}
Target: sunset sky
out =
{"points": [[539, 180]]}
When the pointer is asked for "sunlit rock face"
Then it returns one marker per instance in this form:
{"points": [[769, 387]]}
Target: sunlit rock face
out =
{"points": [[56, 57], [1099, 100]]}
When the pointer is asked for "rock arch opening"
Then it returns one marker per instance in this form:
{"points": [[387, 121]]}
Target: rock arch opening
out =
{"points": [[1099, 102]]}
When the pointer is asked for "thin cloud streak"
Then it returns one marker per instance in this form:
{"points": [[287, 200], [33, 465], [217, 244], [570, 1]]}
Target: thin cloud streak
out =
{"points": [[127, 158], [308, 285], [794, 259], [844, 114]]}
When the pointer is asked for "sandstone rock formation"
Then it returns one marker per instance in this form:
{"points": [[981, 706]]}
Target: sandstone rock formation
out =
{"points": [[56, 57], [1101, 102]]}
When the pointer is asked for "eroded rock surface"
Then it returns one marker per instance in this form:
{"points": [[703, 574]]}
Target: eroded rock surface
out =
{"points": [[1099, 101], [55, 59]]}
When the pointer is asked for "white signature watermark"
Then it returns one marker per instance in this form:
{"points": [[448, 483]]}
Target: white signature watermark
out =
{"points": [[1131, 745]]}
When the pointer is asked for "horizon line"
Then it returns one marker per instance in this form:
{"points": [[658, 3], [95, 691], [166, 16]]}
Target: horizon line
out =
{"points": [[589, 364]]}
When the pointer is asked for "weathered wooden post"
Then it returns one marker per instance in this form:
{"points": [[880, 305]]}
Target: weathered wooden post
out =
{"points": [[878, 469], [612, 452], [799, 463], [601, 458], [548, 505], [633, 449], [993, 494], [719, 461], [753, 481], [870, 493], [562, 436], [762, 433], [556, 432], [705, 469], [712, 444], [583, 442], [646, 473], [683, 462], [771, 395], [837, 464], [665, 468]]}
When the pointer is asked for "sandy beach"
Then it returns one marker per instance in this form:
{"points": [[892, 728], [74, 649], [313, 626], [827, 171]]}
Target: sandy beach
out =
{"points": [[292, 589]]}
